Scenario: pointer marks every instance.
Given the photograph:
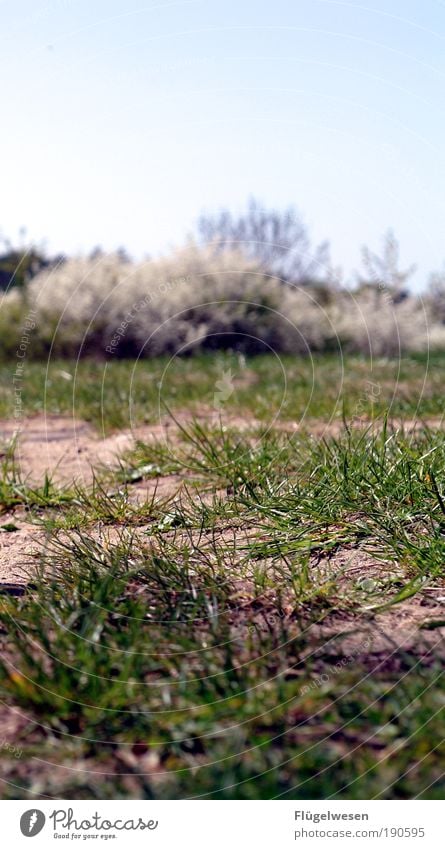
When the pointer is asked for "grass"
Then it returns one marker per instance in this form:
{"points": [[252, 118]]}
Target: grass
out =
{"points": [[194, 645], [17, 492], [120, 393], [105, 661]]}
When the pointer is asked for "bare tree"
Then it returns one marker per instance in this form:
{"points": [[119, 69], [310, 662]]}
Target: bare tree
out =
{"points": [[279, 241], [384, 271]]}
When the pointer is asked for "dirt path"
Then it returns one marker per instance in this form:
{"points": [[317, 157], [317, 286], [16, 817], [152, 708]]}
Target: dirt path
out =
{"points": [[70, 449], [67, 449]]}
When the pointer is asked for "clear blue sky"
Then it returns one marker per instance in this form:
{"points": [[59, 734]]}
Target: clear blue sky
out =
{"points": [[125, 119]]}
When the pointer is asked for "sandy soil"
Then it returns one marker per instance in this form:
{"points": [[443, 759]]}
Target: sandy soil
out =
{"points": [[66, 448], [403, 627]]}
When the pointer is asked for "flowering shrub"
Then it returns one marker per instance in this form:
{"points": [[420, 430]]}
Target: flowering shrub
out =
{"points": [[371, 323], [196, 298]]}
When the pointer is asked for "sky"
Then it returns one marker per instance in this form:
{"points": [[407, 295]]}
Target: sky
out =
{"points": [[124, 120]]}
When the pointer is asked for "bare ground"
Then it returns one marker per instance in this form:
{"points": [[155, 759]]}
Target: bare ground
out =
{"points": [[409, 626], [68, 449]]}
